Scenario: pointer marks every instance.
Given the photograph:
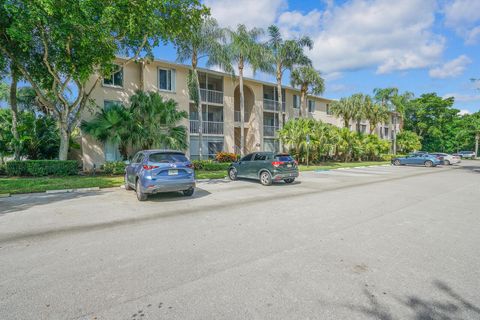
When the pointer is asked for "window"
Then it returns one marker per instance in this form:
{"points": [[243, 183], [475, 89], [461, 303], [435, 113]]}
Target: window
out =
{"points": [[107, 104], [111, 152], [260, 157], [166, 79], [248, 157], [115, 80], [211, 145], [296, 101], [363, 128], [385, 132], [138, 158], [311, 106], [270, 145], [329, 112]]}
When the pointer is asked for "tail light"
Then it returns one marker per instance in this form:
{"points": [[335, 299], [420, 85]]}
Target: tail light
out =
{"points": [[276, 164], [149, 167]]}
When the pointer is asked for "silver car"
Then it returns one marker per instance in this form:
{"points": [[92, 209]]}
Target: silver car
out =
{"points": [[447, 159]]}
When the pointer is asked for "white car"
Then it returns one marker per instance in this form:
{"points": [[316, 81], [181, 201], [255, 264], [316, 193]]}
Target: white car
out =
{"points": [[467, 154], [448, 159]]}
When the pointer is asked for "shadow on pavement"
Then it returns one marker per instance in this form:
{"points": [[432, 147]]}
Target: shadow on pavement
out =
{"points": [[177, 196], [22, 202], [274, 184], [452, 307]]}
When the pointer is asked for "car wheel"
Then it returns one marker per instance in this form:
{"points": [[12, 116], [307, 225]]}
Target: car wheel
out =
{"points": [[396, 162], [232, 174], [188, 192], [428, 163], [140, 195], [127, 186], [290, 180], [265, 178], [446, 162]]}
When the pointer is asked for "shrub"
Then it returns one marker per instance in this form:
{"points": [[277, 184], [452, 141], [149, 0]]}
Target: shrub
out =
{"points": [[38, 168], [114, 167], [209, 165], [226, 157], [3, 170]]}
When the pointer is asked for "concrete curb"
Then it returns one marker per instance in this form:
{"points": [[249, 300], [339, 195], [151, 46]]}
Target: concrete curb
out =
{"points": [[4, 195], [73, 190]]}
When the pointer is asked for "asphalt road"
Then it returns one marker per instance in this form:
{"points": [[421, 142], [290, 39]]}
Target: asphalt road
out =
{"points": [[368, 243]]}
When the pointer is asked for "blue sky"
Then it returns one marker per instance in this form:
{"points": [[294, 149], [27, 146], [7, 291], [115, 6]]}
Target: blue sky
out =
{"points": [[416, 45]]}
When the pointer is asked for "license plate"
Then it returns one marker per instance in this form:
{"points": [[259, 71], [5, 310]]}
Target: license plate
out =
{"points": [[172, 172]]}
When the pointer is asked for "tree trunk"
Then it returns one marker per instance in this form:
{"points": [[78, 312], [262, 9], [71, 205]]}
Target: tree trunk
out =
{"points": [[372, 128], [198, 105], [477, 138], [303, 98], [64, 139], [280, 102], [14, 107], [242, 108]]}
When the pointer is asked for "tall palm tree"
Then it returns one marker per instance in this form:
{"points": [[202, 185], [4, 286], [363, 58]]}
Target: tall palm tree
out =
{"points": [[285, 55], [205, 40], [310, 82], [375, 113], [358, 103], [244, 49], [343, 108]]}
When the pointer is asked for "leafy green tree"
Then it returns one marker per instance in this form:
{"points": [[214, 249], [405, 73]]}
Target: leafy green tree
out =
{"points": [[63, 48], [408, 141], [310, 82], [5, 133], [375, 113], [285, 55], [343, 109], [244, 49], [294, 135], [431, 117], [205, 40], [374, 147]]}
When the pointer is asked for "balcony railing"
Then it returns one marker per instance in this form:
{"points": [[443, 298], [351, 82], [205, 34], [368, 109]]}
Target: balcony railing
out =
{"points": [[269, 131], [246, 116], [272, 105], [211, 96], [209, 127]]}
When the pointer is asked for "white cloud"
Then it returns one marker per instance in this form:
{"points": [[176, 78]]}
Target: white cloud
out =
{"points": [[464, 98], [463, 16], [464, 112], [252, 13], [451, 69]]}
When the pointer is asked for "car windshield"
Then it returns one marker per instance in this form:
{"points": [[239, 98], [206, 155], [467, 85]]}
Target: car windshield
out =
{"points": [[167, 157], [283, 157]]}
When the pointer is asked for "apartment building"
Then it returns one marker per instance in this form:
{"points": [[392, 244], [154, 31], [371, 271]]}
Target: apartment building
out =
{"points": [[220, 96]]}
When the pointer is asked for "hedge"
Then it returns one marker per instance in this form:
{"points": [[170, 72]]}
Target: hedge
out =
{"points": [[226, 157], [114, 167], [39, 168], [209, 165], [3, 170]]}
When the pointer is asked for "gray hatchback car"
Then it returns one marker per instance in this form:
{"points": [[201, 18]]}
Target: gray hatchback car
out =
{"points": [[154, 171], [266, 167]]}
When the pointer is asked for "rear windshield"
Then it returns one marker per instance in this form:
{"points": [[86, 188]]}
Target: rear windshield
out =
{"points": [[167, 157], [283, 157]]}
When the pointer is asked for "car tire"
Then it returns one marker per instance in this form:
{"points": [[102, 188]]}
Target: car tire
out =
{"points": [[232, 174], [140, 195], [289, 180], [428, 163], [188, 192], [127, 186], [396, 162], [265, 178], [446, 162]]}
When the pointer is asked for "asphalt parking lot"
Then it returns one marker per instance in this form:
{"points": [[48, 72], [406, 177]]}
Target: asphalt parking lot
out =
{"points": [[364, 243]]}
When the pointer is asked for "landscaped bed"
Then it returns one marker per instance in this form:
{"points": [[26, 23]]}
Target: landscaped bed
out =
{"points": [[15, 185]]}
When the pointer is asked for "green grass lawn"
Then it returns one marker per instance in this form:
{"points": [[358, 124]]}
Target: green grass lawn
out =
{"points": [[15, 185]]}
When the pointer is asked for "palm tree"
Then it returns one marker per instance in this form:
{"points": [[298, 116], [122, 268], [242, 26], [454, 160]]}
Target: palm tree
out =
{"points": [[244, 49], [285, 55], [375, 113], [358, 103], [310, 82], [294, 135], [114, 125], [343, 108], [203, 41], [156, 122]]}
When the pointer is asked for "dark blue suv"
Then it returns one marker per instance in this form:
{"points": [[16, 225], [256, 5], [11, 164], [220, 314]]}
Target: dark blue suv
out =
{"points": [[154, 171]]}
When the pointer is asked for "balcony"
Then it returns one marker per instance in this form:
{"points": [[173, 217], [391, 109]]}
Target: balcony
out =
{"points": [[272, 105], [209, 127], [269, 131], [211, 96], [246, 116]]}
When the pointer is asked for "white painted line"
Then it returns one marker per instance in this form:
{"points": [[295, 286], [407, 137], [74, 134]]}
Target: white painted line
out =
{"points": [[87, 189]]}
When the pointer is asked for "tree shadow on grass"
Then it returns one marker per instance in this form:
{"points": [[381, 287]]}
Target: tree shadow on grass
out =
{"points": [[452, 307]]}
